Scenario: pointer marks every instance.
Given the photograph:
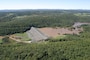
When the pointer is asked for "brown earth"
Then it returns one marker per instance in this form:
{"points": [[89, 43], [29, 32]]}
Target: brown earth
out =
{"points": [[1, 37], [16, 38], [53, 32]]}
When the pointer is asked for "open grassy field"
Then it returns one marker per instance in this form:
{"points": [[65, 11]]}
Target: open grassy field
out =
{"points": [[82, 14], [0, 40], [60, 37], [23, 36]]}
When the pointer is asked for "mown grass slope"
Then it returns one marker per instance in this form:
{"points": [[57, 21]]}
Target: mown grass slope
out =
{"points": [[23, 36]]}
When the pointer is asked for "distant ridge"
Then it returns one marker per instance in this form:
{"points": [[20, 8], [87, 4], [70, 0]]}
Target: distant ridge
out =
{"points": [[68, 10]]}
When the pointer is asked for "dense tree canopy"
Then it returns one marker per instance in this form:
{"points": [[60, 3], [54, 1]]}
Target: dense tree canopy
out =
{"points": [[21, 21], [72, 47]]}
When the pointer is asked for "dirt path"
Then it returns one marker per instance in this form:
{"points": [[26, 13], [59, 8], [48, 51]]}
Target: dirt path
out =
{"points": [[1, 37], [18, 40]]}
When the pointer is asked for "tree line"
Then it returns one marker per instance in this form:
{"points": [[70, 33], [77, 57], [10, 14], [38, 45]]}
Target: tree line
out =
{"points": [[18, 22]]}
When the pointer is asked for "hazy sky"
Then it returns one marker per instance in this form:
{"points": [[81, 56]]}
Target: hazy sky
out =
{"points": [[44, 4]]}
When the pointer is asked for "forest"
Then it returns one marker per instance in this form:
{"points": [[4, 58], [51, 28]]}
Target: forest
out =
{"points": [[21, 21], [72, 47]]}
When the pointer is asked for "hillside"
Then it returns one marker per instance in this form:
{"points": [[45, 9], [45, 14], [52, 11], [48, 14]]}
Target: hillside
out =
{"points": [[21, 21], [66, 47]]}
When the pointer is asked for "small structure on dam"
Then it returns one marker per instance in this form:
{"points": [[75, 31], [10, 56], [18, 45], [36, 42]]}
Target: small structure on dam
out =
{"points": [[36, 35]]}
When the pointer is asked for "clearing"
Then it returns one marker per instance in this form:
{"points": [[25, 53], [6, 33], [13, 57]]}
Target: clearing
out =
{"points": [[54, 32], [21, 36]]}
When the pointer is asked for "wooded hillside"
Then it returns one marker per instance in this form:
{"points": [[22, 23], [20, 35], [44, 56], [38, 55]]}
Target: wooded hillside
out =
{"points": [[21, 21]]}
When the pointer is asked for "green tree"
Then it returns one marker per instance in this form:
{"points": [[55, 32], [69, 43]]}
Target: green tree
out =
{"points": [[5, 40]]}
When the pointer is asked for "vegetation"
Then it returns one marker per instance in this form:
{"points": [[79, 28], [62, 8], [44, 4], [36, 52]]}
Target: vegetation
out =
{"points": [[0, 41], [21, 21], [57, 39], [23, 36], [66, 50], [5, 40], [69, 47]]}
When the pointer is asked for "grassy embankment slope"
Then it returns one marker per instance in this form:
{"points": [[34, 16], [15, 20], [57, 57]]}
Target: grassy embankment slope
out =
{"points": [[23, 36]]}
